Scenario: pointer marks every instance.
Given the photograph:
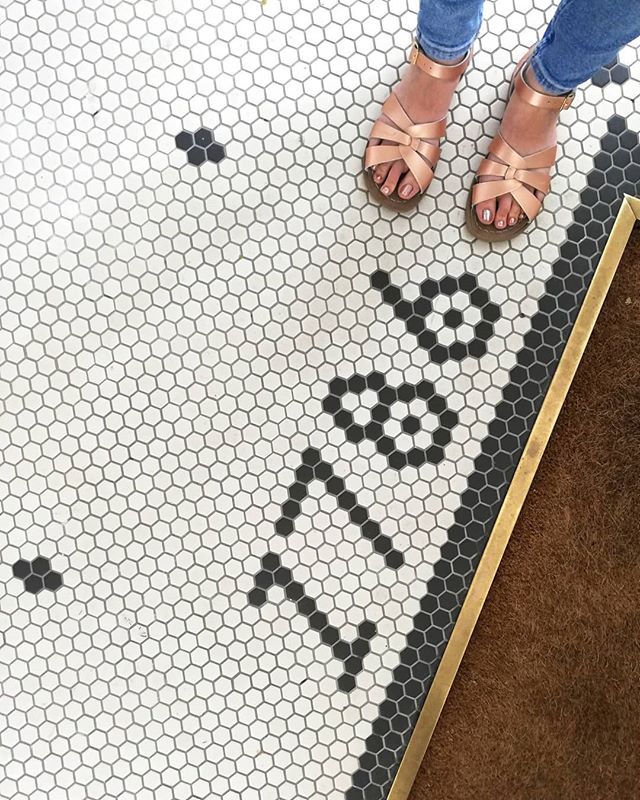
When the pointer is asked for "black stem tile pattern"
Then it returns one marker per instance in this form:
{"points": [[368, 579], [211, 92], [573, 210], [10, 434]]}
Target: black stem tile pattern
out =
{"points": [[273, 573]]}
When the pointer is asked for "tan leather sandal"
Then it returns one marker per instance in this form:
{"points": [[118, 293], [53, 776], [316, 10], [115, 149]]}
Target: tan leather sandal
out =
{"points": [[516, 172], [420, 156]]}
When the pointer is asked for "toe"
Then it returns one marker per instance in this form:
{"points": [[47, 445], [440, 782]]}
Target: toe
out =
{"points": [[514, 213], [373, 170], [504, 204], [408, 187], [486, 211], [380, 172], [394, 175]]}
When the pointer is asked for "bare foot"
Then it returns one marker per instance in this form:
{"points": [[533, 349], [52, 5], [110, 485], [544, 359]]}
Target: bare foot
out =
{"points": [[425, 99], [527, 129]]}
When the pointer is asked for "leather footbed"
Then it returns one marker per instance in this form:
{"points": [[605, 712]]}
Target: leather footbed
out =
{"points": [[489, 233]]}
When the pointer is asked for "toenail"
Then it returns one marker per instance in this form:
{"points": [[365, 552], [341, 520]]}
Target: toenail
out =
{"points": [[385, 190], [378, 178], [499, 223], [512, 220], [486, 215], [406, 191]]}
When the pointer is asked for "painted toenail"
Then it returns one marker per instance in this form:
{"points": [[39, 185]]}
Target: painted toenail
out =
{"points": [[500, 223], [385, 190], [512, 220], [406, 191], [378, 178], [486, 215]]}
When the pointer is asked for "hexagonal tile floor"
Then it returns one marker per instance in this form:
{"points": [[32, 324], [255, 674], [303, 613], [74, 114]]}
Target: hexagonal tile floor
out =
{"points": [[255, 429]]}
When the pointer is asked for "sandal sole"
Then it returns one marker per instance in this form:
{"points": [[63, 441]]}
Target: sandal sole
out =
{"points": [[489, 233]]}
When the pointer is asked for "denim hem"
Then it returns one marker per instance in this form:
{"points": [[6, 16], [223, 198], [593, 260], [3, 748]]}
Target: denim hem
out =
{"points": [[440, 53], [543, 77]]}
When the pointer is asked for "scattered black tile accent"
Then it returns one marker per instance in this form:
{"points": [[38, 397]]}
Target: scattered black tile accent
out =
{"points": [[615, 72], [571, 275], [37, 575], [200, 146], [350, 653]]}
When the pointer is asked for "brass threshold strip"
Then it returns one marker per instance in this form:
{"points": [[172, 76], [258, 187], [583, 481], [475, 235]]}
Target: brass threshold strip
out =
{"points": [[625, 220]]}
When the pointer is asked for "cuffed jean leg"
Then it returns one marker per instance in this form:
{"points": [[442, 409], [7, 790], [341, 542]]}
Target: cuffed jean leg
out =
{"points": [[583, 36], [447, 28]]}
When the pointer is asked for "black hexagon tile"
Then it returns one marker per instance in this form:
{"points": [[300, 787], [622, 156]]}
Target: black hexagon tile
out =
{"points": [[615, 72], [265, 424]]}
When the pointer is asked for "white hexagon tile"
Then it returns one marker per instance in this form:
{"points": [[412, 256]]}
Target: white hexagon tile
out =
{"points": [[255, 429]]}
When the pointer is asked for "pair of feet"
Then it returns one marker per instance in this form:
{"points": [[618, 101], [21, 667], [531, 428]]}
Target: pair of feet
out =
{"points": [[527, 128]]}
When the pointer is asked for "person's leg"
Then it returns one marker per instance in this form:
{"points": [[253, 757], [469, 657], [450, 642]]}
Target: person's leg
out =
{"points": [[447, 28], [445, 31], [582, 37]]}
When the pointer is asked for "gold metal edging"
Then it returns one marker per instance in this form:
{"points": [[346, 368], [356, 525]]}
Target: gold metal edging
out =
{"points": [[498, 539]]}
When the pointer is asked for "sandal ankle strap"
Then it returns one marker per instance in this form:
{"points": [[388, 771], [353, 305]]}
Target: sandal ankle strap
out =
{"points": [[557, 102], [444, 71]]}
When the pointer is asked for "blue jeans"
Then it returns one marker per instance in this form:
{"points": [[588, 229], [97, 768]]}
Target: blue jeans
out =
{"points": [[583, 36]]}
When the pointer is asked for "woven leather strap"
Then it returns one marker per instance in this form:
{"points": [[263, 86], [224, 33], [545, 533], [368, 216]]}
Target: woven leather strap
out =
{"points": [[513, 174], [419, 156]]}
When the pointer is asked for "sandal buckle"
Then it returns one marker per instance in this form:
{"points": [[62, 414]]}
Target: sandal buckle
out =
{"points": [[568, 99], [415, 52]]}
